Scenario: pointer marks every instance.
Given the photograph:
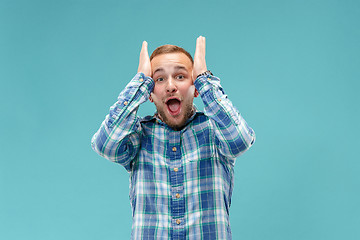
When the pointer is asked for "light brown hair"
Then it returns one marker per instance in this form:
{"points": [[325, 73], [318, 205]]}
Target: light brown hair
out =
{"points": [[170, 49]]}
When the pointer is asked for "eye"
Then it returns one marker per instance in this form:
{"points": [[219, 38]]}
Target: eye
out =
{"points": [[180, 77], [160, 79]]}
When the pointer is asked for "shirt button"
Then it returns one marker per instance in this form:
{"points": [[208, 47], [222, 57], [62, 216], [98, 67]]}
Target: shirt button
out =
{"points": [[125, 103], [174, 149], [141, 79], [219, 99], [177, 195], [178, 221], [176, 169]]}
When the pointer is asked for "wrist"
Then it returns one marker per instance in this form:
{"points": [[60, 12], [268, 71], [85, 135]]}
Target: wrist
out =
{"points": [[205, 73]]}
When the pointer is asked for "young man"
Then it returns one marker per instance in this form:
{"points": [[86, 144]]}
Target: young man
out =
{"points": [[180, 160]]}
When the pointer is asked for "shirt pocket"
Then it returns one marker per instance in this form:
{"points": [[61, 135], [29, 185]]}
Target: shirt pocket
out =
{"points": [[202, 153], [198, 143]]}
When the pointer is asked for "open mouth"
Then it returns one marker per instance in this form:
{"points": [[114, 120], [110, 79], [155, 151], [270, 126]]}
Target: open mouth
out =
{"points": [[173, 106]]}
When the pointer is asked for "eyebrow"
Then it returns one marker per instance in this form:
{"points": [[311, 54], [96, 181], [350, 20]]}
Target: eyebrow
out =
{"points": [[176, 68]]}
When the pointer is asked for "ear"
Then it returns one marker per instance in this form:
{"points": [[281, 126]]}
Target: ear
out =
{"points": [[196, 93]]}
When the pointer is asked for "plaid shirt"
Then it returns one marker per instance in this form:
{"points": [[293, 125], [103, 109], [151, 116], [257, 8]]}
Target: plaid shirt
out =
{"points": [[180, 181]]}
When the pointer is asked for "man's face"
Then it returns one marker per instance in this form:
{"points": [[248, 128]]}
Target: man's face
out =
{"points": [[174, 90]]}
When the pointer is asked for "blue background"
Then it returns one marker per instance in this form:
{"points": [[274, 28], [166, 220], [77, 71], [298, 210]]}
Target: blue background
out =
{"points": [[290, 67]]}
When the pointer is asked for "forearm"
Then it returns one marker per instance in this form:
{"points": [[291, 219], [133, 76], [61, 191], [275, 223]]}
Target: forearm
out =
{"points": [[233, 135], [118, 136]]}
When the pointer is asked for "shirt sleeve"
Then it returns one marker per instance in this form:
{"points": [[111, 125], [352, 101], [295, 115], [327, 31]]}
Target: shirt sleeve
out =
{"points": [[232, 134], [118, 138]]}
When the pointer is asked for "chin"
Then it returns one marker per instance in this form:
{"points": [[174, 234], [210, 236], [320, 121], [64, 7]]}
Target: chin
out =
{"points": [[176, 122], [177, 125]]}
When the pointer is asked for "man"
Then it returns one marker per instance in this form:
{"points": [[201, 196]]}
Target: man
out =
{"points": [[180, 160]]}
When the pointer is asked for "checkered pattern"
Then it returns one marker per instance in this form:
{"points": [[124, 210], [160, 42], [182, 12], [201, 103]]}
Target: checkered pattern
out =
{"points": [[180, 181]]}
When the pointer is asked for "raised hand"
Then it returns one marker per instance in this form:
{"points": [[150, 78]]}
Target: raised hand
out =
{"points": [[144, 60], [199, 57]]}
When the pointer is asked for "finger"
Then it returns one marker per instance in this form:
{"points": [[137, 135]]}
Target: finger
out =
{"points": [[200, 47], [204, 45], [197, 49], [144, 48]]}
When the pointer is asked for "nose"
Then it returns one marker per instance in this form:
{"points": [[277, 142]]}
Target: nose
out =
{"points": [[171, 86]]}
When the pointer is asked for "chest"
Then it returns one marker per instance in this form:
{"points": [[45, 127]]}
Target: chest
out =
{"points": [[161, 145]]}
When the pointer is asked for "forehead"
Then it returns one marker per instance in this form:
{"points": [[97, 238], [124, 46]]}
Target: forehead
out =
{"points": [[168, 60]]}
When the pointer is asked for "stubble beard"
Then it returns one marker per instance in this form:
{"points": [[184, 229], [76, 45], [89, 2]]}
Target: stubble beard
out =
{"points": [[188, 109]]}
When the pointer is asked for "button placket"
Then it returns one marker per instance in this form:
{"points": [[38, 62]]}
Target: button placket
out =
{"points": [[177, 180]]}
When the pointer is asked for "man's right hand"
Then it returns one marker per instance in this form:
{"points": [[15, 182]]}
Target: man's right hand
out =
{"points": [[144, 60]]}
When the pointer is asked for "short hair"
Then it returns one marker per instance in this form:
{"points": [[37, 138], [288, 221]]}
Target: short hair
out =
{"points": [[170, 49]]}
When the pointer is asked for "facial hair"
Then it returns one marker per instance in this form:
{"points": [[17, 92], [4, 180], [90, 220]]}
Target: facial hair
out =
{"points": [[189, 110]]}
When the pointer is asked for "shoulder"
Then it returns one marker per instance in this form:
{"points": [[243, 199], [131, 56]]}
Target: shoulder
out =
{"points": [[199, 120], [147, 119]]}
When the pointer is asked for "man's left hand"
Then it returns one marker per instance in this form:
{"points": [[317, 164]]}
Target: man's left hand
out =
{"points": [[199, 58]]}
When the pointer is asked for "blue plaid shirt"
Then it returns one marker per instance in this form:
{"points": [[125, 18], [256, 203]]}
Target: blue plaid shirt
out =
{"points": [[180, 181]]}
